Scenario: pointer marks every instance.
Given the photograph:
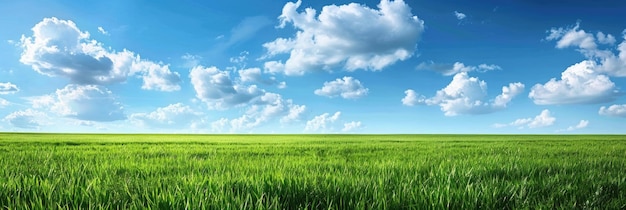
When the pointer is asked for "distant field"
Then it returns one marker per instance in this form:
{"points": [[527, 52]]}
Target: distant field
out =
{"points": [[49, 171]]}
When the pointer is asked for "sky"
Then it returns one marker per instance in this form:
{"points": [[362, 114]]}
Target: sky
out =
{"points": [[389, 66]]}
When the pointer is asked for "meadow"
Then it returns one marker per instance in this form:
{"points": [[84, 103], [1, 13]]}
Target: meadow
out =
{"points": [[97, 171]]}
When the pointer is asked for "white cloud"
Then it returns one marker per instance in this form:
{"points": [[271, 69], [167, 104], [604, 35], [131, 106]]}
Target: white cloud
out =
{"points": [[605, 60], [350, 36], [508, 93], [4, 103], [321, 122], [582, 124], [348, 88], [457, 67], [82, 102], [219, 126], [579, 84], [253, 75], [568, 37], [102, 31], [605, 38], [544, 119], [29, 119], [282, 85], [613, 110], [190, 60], [217, 90], [59, 48], [268, 107], [169, 117], [465, 95], [158, 77], [411, 98], [6, 88], [614, 65], [459, 15], [351, 126], [295, 114]]}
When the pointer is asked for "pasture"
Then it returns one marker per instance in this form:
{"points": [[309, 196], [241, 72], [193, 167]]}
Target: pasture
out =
{"points": [[107, 171]]}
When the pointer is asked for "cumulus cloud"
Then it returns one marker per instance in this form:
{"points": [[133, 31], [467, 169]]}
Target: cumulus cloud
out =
{"points": [[346, 87], [579, 84], [587, 81], [321, 122], [457, 67], [60, 48], [459, 15], [351, 126], [218, 91], [508, 93], [172, 116], [266, 108], [582, 124], [605, 60], [574, 36], [612, 64], [28, 119], [544, 119], [465, 95], [616, 110], [350, 36], [6, 88], [411, 98], [82, 102], [253, 75]]}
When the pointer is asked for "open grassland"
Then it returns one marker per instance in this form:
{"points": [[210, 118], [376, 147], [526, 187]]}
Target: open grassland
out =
{"points": [[49, 171]]}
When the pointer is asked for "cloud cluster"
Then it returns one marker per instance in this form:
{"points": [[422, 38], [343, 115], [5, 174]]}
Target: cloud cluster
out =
{"points": [[60, 48], [7, 88], [351, 36], [321, 122], [82, 102], [215, 87], [267, 107], [346, 87], [544, 119], [172, 116], [457, 67], [579, 84], [465, 95], [586, 82], [613, 110]]}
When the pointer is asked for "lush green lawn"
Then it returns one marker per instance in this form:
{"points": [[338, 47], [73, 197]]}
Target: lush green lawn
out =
{"points": [[46, 171]]}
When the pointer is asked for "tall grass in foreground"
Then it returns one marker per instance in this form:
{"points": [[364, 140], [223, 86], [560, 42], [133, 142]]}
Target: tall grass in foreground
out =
{"points": [[312, 172]]}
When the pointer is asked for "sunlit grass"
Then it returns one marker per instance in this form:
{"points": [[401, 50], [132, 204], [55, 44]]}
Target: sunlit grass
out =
{"points": [[45, 171]]}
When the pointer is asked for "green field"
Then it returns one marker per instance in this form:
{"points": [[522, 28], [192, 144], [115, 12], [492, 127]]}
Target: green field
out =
{"points": [[49, 171]]}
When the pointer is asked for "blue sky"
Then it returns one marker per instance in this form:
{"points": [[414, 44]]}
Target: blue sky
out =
{"points": [[313, 66]]}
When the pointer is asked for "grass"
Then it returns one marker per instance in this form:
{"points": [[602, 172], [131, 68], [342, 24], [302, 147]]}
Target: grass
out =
{"points": [[49, 171]]}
